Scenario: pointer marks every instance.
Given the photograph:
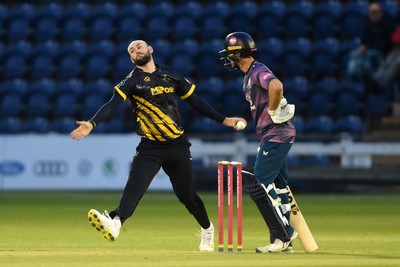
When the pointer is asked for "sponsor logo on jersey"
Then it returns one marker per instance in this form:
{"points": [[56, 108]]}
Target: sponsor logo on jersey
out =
{"points": [[11, 167], [147, 79], [266, 76], [161, 89]]}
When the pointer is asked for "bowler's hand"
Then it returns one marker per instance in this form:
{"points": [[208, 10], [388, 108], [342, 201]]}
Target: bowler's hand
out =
{"points": [[82, 130], [231, 122]]}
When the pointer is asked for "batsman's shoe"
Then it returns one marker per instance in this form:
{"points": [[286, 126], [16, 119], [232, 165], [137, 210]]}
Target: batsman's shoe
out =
{"points": [[265, 249], [207, 239], [279, 245], [103, 223]]}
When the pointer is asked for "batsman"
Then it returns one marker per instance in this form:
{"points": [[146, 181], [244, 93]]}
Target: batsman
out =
{"points": [[272, 115]]}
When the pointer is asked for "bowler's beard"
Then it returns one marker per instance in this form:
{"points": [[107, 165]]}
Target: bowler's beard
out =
{"points": [[144, 60]]}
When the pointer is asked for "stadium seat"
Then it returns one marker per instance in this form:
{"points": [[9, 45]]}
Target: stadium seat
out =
{"points": [[242, 16], [157, 23], [45, 22], [121, 65], [316, 160], [70, 86], [295, 57], [353, 18], [69, 63], [97, 59], [377, 105], [161, 49], [91, 104], [209, 89], [320, 96], [323, 57], [38, 125], [128, 22], [206, 126], [184, 21], [15, 60], [349, 124], [182, 59], [326, 18], [347, 103], [100, 21], [17, 86], [10, 125], [212, 20], [10, 104], [115, 125], [37, 105], [391, 9], [270, 19], [73, 22], [101, 87], [207, 59], [43, 59], [42, 86], [299, 123], [297, 19], [64, 105], [269, 52], [62, 125], [319, 125], [17, 23], [298, 85]]}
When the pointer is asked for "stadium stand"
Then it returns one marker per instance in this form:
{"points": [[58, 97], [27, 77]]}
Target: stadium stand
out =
{"points": [[71, 53]]}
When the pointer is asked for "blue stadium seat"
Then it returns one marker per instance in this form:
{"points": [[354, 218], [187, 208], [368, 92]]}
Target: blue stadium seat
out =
{"points": [[101, 87], [17, 24], [205, 125], [64, 105], [70, 60], [10, 104], [270, 18], [42, 60], [242, 16], [70, 86], [182, 57], [91, 104], [326, 18], [295, 57], [10, 125], [269, 52], [320, 96], [212, 20], [73, 22], [347, 103], [128, 22], [63, 125], [324, 55], [184, 21], [299, 123], [377, 105], [391, 9], [161, 49], [156, 24], [101, 21], [210, 89], [42, 86], [298, 85], [37, 105], [18, 86], [297, 19], [15, 60], [352, 86], [353, 18], [122, 66], [349, 124], [207, 59], [316, 160], [319, 125], [97, 59], [38, 125], [115, 125], [45, 22]]}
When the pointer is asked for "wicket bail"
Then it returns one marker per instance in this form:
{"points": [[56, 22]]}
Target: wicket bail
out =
{"points": [[230, 166]]}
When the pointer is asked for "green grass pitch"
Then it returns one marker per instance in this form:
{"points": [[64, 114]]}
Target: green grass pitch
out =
{"points": [[51, 229]]}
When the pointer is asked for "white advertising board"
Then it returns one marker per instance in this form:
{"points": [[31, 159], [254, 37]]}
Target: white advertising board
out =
{"points": [[98, 162]]}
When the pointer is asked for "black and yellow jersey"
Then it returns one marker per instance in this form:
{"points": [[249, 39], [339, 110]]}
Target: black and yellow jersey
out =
{"points": [[154, 100]]}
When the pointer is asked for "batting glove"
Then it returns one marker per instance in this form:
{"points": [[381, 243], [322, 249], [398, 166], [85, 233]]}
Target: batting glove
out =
{"points": [[283, 113]]}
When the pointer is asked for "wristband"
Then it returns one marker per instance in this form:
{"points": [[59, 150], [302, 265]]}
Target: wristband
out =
{"points": [[92, 123]]}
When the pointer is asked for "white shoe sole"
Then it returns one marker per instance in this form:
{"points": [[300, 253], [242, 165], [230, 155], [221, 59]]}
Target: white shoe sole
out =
{"points": [[96, 224]]}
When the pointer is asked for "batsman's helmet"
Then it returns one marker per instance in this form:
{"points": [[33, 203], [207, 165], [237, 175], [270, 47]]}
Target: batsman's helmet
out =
{"points": [[236, 44]]}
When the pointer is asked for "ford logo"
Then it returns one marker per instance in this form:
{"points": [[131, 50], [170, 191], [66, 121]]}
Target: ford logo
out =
{"points": [[11, 167]]}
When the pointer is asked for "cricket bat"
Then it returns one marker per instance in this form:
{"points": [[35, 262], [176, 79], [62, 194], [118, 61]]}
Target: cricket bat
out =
{"points": [[299, 224]]}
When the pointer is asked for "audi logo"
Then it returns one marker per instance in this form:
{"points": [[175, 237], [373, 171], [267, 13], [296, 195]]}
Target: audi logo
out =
{"points": [[50, 168]]}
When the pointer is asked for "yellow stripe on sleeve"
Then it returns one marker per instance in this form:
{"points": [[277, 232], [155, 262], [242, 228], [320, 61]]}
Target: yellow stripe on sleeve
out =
{"points": [[120, 92], [189, 93]]}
